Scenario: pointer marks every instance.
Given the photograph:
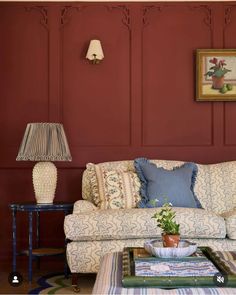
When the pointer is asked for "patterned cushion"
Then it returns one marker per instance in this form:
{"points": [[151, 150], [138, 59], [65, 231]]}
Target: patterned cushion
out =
{"points": [[135, 223], [116, 189], [215, 185]]}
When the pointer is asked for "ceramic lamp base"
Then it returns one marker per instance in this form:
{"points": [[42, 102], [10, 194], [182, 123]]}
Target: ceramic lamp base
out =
{"points": [[44, 182]]}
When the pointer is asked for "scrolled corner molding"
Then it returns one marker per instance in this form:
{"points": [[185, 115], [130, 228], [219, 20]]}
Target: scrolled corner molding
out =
{"points": [[146, 11], [65, 16], [43, 12], [159, 8], [208, 14], [228, 13], [65, 13], [125, 11]]}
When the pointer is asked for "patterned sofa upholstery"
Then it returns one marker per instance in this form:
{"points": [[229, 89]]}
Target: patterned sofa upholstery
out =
{"points": [[94, 232]]}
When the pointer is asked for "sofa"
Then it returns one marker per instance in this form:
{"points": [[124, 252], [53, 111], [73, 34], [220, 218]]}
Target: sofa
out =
{"points": [[94, 231]]}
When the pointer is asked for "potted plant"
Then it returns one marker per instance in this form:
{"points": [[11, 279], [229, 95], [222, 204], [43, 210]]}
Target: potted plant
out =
{"points": [[217, 72], [170, 229]]}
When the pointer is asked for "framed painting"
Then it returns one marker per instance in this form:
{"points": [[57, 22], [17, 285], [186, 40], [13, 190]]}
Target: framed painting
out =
{"points": [[216, 75]]}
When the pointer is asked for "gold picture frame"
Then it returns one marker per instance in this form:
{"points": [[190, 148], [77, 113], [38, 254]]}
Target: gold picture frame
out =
{"points": [[216, 75]]}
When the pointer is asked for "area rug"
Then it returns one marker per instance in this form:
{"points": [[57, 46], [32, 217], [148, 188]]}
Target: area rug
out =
{"points": [[55, 283]]}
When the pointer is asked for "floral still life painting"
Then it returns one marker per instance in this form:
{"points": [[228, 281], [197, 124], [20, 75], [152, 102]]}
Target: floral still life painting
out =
{"points": [[216, 75]]}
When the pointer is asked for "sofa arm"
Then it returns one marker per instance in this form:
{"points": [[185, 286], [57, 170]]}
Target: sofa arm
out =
{"points": [[83, 206], [230, 222]]}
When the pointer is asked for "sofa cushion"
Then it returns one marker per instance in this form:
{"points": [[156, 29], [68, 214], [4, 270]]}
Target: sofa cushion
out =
{"points": [[134, 223], [159, 185], [116, 189]]}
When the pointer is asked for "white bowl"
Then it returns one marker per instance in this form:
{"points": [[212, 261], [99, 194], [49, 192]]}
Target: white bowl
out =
{"points": [[155, 247]]}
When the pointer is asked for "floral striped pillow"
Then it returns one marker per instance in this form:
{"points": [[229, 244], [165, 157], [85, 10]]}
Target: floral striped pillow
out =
{"points": [[115, 189]]}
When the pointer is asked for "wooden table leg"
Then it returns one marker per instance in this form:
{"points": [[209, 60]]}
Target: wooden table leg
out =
{"points": [[75, 278]]}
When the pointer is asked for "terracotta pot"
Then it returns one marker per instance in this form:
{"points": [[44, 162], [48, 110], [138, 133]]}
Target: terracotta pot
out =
{"points": [[170, 240], [217, 82]]}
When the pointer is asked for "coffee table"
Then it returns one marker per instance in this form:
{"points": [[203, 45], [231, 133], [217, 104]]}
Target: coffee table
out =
{"points": [[109, 281]]}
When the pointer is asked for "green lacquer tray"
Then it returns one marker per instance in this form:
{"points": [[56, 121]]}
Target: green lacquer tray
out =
{"points": [[131, 255]]}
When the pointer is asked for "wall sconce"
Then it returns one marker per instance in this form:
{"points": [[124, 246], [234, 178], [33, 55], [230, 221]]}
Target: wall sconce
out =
{"points": [[95, 52]]}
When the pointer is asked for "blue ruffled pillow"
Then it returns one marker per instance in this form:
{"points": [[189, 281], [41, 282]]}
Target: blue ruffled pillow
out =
{"points": [[159, 185]]}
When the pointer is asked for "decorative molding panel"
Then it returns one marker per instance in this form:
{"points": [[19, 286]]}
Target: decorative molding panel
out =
{"points": [[108, 100], [169, 76], [24, 74]]}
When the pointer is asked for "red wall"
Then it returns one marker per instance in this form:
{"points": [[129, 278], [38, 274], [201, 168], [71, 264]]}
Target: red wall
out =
{"points": [[138, 102]]}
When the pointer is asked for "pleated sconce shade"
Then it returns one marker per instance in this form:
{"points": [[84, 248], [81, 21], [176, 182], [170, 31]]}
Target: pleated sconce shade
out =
{"points": [[44, 142]]}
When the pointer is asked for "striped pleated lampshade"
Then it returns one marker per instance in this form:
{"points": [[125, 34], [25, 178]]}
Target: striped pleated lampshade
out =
{"points": [[44, 142]]}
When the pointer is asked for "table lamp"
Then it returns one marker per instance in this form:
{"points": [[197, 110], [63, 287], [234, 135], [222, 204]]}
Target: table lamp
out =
{"points": [[44, 142]]}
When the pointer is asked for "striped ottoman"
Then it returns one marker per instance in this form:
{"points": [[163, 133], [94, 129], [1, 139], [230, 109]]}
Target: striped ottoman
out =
{"points": [[109, 282]]}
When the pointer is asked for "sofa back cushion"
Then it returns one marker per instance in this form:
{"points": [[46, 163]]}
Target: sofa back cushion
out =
{"points": [[215, 186]]}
